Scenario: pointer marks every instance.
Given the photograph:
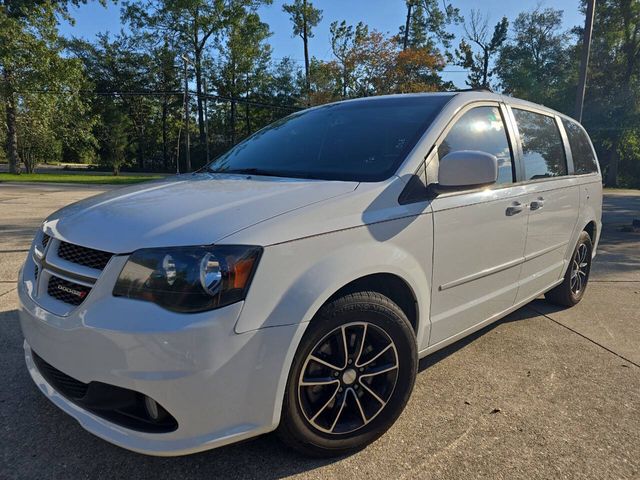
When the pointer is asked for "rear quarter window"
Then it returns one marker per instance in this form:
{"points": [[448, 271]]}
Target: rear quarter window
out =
{"points": [[542, 147], [584, 160]]}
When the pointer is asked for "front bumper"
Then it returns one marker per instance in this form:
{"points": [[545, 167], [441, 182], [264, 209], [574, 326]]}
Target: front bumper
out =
{"points": [[220, 386]]}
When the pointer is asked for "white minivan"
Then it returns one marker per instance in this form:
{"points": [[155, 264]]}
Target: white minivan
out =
{"points": [[294, 282]]}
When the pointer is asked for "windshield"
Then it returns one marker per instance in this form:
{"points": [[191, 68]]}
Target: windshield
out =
{"points": [[351, 141]]}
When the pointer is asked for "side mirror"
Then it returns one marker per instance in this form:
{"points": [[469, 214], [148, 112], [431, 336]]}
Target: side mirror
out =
{"points": [[467, 168]]}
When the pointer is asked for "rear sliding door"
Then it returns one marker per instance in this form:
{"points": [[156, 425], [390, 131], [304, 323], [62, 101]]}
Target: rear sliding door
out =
{"points": [[552, 200]]}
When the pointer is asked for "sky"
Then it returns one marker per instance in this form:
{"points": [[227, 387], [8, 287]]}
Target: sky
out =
{"points": [[383, 15]]}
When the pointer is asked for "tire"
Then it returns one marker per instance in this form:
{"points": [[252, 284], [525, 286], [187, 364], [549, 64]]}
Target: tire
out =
{"points": [[341, 415], [572, 289]]}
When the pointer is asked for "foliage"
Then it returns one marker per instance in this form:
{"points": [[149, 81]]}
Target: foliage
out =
{"points": [[612, 103], [428, 24], [345, 43], [535, 64], [479, 63], [118, 100], [37, 123], [243, 61], [305, 17]]}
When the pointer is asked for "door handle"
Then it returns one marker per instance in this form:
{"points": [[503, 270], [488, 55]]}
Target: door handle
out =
{"points": [[514, 209], [537, 204]]}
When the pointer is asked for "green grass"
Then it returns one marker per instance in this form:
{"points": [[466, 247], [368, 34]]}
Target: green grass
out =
{"points": [[106, 179]]}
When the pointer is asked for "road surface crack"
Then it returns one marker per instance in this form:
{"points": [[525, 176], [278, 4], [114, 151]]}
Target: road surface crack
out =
{"points": [[585, 337]]}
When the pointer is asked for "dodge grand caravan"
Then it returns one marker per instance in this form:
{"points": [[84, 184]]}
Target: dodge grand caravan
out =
{"points": [[294, 282]]}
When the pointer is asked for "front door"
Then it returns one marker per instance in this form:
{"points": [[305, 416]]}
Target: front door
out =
{"points": [[479, 235]]}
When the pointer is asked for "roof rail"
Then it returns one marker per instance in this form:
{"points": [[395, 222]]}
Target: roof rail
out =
{"points": [[474, 89]]}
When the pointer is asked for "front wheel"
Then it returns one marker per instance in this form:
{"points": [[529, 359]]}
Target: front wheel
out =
{"points": [[572, 289], [351, 378]]}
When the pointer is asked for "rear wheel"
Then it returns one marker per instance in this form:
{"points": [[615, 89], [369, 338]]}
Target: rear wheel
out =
{"points": [[352, 376], [572, 289]]}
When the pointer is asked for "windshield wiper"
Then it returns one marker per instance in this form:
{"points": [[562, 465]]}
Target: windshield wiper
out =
{"points": [[267, 173]]}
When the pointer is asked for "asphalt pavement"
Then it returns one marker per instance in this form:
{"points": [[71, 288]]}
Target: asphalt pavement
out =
{"points": [[544, 393]]}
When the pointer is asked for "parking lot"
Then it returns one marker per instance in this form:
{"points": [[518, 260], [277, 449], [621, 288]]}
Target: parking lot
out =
{"points": [[543, 393]]}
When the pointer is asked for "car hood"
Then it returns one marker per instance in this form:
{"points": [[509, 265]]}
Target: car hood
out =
{"points": [[197, 209]]}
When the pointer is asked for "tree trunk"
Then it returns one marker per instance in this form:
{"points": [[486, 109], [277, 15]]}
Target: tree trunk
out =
{"points": [[12, 131], [27, 159], [305, 40], [233, 121], [233, 102], [612, 169], [344, 83], [246, 109], [485, 70], [247, 119], [405, 42], [165, 153], [140, 152], [140, 147], [198, 67]]}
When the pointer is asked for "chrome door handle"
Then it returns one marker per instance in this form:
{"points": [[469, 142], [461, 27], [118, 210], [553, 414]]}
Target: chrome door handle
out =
{"points": [[537, 204], [514, 209]]}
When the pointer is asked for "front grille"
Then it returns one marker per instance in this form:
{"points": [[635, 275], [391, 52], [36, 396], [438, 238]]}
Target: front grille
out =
{"points": [[84, 256], [36, 272], [45, 240], [66, 385], [67, 292]]}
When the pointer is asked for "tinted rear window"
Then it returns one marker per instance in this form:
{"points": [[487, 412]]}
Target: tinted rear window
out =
{"points": [[356, 141], [542, 145], [584, 160]]}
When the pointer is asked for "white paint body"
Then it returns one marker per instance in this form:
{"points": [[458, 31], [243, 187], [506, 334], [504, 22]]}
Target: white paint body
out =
{"points": [[222, 373]]}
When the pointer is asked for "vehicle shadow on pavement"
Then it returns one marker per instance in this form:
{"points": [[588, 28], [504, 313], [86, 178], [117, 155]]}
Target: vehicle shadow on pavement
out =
{"points": [[38, 437]]}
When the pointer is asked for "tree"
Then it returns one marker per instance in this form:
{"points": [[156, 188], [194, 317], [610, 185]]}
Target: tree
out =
{"points": [[536, 64], [326, 81], [113, 136], [373, 59], [612, 102], [243, 60], [381, 67], [189, 23], [345, 41], [418, 70], [304, 17], [284, 84], [192, 24], [427, 24], [165, 79], [122, 69], [30, 62], [479, 63]]}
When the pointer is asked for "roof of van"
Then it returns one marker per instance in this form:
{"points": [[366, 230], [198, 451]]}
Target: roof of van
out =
{"points": [[471, 95]]}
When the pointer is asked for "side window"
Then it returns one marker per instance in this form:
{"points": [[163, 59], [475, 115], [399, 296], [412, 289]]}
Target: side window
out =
{"points": [[584, 161], [542, 146], [481, 128]]}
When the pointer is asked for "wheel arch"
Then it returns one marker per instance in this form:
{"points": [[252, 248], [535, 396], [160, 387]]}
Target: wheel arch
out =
{"points": [[391, 286], [592, 229]]}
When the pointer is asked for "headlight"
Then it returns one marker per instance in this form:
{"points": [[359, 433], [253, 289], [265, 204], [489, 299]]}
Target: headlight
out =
{"points": [[189, 279]]}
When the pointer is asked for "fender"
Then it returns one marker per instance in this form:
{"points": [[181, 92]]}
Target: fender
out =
{"points": [[318, 267]]}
